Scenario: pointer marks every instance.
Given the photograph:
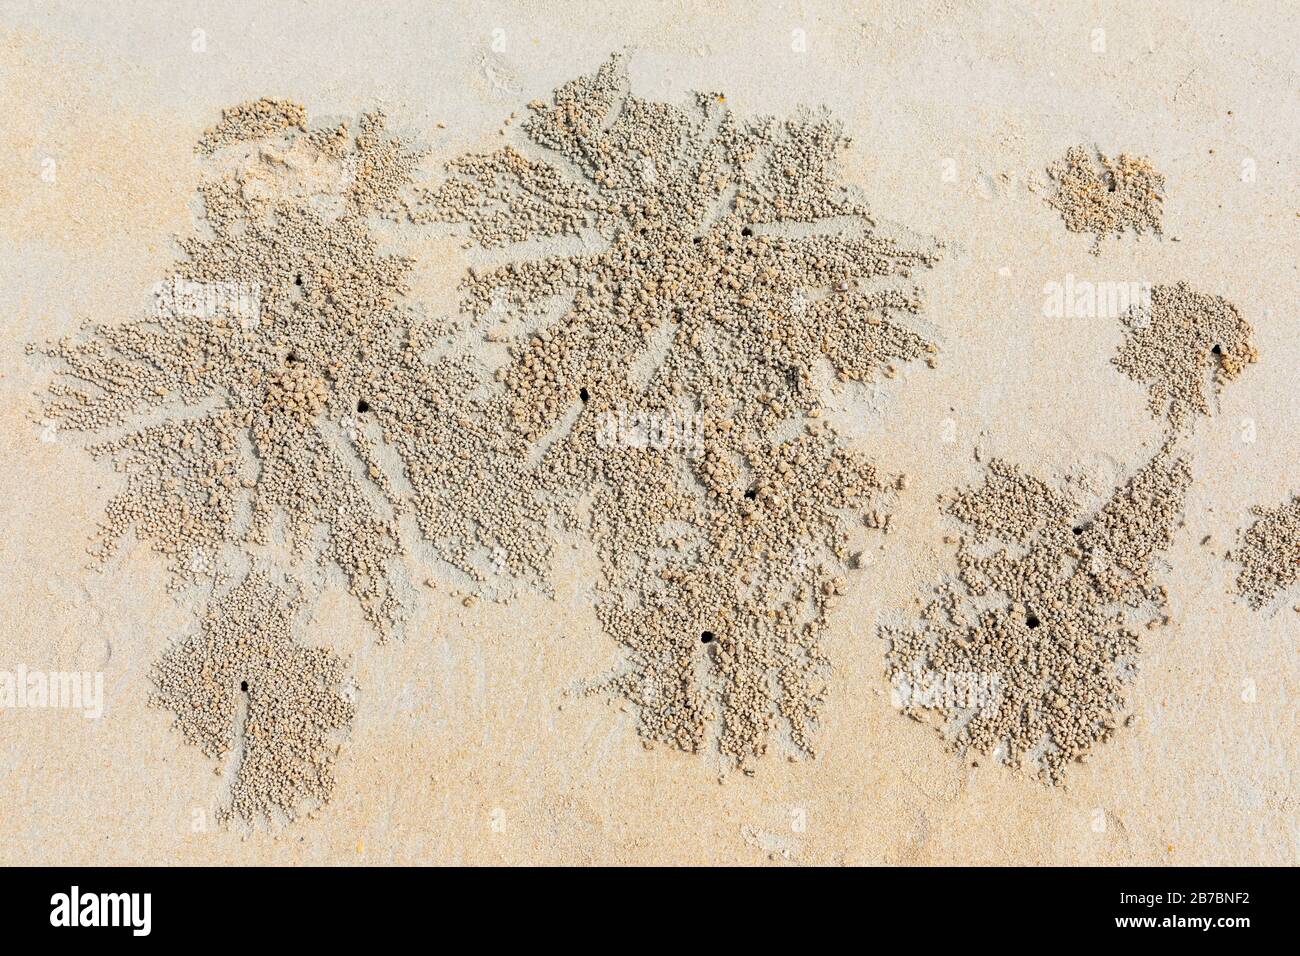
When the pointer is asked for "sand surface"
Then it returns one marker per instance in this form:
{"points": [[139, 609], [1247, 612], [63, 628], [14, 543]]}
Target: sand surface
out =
{"points": [[467, 746]]}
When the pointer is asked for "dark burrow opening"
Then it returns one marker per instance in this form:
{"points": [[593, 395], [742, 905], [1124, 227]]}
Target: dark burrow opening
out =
{"points": [[751, 493], [706, 637], [1217, 350], [1032, 620], [584, 394], [747, 232], [243, 685], [363, 405]]}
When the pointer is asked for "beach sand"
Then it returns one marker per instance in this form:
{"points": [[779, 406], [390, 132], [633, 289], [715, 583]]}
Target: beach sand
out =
{"points": [[468, 745]]}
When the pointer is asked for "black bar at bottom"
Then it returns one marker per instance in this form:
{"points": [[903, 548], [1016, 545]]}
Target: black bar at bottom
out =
{"points": [[937, 905]]}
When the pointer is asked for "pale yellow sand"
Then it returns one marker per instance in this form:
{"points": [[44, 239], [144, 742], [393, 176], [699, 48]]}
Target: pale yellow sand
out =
{"points": [[461, 751]]}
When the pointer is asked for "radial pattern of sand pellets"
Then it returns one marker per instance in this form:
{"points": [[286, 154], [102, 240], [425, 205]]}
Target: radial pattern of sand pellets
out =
{"points": [[671, 393], [244, 690], [278, 363], [1026, 653], [243, 396], [668, 402]]}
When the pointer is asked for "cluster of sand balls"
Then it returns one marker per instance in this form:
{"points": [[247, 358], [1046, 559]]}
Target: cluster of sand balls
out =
{"points": [[1026, 653], [1044, 610], [263, 417], [1043, 617], [256, 119], [1177, 340], [1184, 346], [724, 548], [1269, 553], [251, 404], [296, 390], [725, 285], [244, 688], [1105, 196]]}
